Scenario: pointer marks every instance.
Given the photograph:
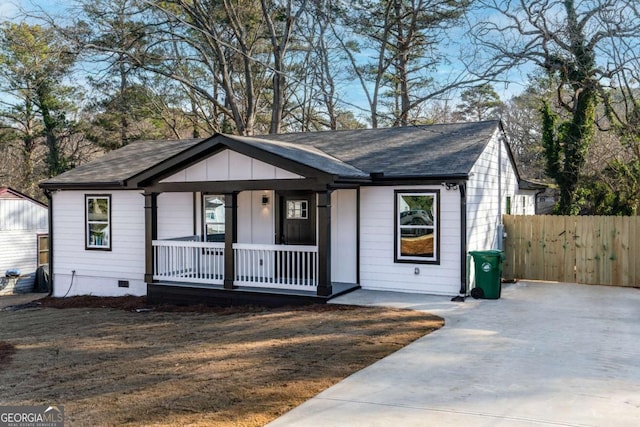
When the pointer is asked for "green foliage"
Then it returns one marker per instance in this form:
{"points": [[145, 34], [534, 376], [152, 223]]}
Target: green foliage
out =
{"points": [[550, 142], [615, 192], [403, 37], [479, 103], [565, 146], [33, 63]]}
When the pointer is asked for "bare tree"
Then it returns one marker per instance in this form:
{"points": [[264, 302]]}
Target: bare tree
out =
{"points": [[568, 40], [405, 41]]}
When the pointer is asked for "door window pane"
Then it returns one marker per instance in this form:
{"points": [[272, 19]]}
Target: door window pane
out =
{"points": [[297, 209]]}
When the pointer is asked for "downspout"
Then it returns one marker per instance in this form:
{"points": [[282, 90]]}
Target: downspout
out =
{"points": [[499, 228], [50, 239], [463, 242]]}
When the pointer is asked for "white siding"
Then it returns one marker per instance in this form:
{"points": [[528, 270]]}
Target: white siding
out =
{"points": [[227, 166], [20, 223], [21, 214], [97, 272], [526, 203], [344, 234], [492, 180], [378, 269], [19, 250]]}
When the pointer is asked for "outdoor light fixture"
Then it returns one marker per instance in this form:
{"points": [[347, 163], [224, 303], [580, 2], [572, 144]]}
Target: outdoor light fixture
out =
{"points": [[265, 200], [451, 185]]}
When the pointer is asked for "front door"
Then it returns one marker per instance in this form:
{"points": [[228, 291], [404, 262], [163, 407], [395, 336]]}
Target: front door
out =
{"points": [[297, 219], [296, 226]]}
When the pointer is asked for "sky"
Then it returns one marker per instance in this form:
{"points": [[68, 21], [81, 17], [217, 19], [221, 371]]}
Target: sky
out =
{"points": [[353, 96]]}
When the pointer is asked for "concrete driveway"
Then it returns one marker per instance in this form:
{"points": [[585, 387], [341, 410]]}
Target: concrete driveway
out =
{"points": [[542, 355]]}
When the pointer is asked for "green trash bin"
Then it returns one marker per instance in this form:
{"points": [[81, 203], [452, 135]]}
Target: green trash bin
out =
{"points": [[488, 269]]}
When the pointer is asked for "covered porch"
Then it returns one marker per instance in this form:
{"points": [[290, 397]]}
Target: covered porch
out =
{"points": [[243, 217], [216, 268], [192, 260]]}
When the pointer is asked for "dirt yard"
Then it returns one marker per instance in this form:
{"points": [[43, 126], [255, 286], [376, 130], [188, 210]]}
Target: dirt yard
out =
{"points": [[201, 366]]}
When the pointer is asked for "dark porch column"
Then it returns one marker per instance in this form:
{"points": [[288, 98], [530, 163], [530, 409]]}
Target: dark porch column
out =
{"points": [[324, 244], [230, 237], [150, 232]]}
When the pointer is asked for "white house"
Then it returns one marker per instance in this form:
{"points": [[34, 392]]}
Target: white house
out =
{"points": [[285, 218], [23, 239]]}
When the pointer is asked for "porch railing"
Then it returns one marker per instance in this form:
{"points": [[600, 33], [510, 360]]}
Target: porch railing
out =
{"points": [[189, 261], [276, 266], [270, 266]]}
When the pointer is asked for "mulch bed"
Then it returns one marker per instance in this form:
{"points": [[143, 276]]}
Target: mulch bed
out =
{"points": [[133, 303]]}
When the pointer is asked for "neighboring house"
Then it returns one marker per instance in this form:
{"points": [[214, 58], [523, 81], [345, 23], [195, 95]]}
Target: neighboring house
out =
{"points": [[525, 204], [24, 244], [284, 218], [546, 201]]}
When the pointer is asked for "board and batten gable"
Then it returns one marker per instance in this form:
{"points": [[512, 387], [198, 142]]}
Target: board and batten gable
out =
{"points": [[175, 215], [97, 272], [344, 236], [378, 269], [228, 165], [21, 222]]}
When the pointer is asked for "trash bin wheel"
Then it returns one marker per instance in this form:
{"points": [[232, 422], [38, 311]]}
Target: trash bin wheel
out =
{"points": [[477, 293]]}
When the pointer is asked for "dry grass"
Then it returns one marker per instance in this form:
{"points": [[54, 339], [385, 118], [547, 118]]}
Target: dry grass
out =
{"points": [[224, 367]]}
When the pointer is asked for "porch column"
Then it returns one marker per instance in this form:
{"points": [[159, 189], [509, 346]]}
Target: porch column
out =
{"points": [[230, 237], [324, 244], [150, 233]]}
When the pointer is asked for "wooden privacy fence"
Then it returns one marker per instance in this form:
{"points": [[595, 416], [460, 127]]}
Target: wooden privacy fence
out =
{"points": [[595, 250]]}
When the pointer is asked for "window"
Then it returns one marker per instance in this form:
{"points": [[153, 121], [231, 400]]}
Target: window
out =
{"points": [[508, 207], [297, 209], [213, 205], [98, 222], [43, 249], [416, 231]]}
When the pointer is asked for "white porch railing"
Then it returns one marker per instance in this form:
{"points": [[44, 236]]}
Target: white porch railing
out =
{"points": [[188, 261], [276, 266], [269, 266]]}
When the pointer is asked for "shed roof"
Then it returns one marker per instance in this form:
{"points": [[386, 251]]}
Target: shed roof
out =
{"points": [[8, 193], [426, 151]]}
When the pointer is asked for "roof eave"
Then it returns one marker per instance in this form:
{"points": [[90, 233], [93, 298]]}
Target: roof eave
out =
{"points": [[453, 176], [96, 185]]}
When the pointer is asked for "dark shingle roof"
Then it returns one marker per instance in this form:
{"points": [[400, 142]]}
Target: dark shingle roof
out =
{"points": [[305, 154], [119, 165], [420, 151], [415, 151]]}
